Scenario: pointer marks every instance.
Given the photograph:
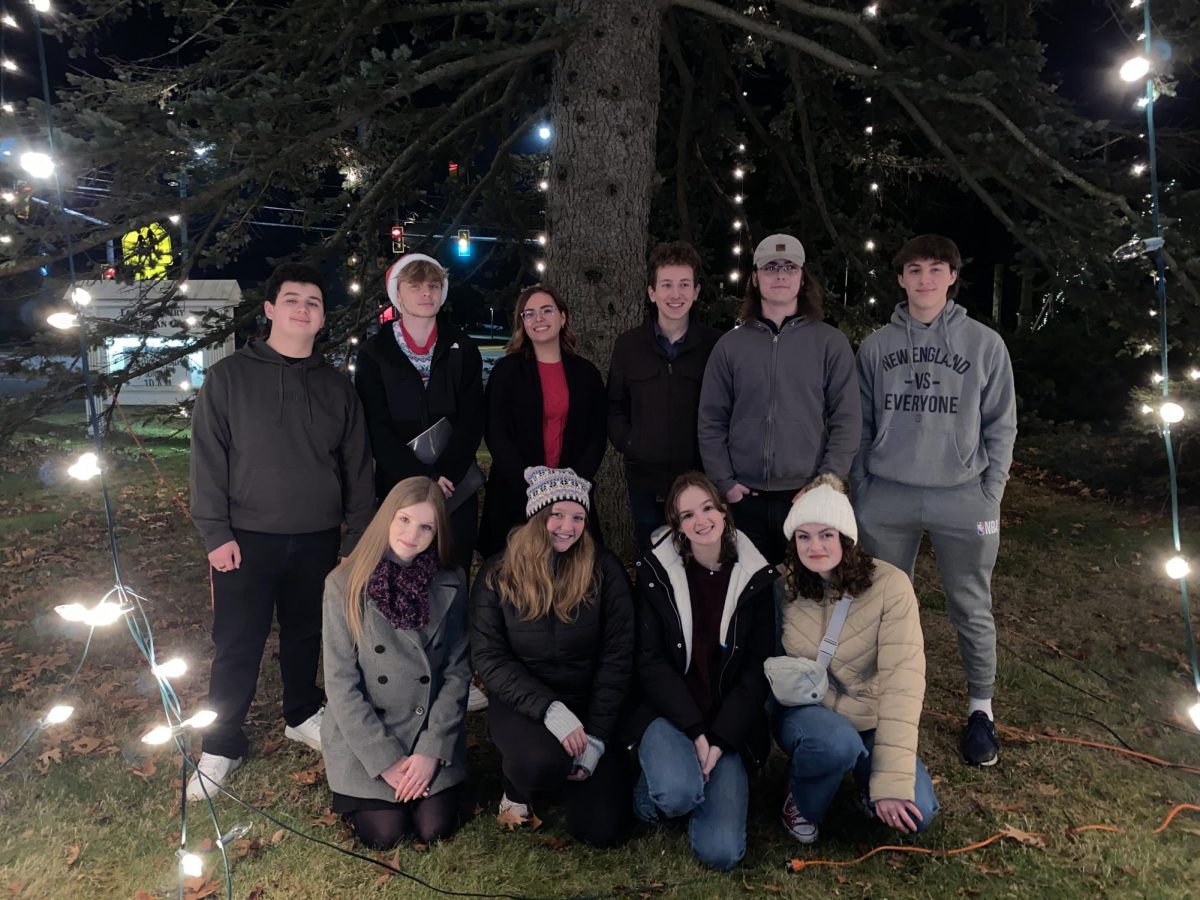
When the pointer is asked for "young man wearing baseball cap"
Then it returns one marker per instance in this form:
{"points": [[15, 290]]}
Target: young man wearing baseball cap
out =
{"points": [[780, 400], [412, 373], [939, 424]]}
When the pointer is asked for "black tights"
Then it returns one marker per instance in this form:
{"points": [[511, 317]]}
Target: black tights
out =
{"points": [[428, 819]]}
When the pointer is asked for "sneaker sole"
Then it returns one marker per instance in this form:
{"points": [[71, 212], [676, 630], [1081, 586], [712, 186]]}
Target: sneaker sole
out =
{"points": [[292, 734], [800, 839], [984, 764]]}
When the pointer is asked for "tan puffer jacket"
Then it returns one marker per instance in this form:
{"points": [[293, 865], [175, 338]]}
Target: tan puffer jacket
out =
{"points": [[877, 676]]}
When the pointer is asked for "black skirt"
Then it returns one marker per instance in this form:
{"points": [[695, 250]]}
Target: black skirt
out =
{"points": [[344, 805]]}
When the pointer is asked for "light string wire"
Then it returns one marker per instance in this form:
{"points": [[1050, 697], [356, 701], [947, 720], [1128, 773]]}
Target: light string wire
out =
{"points": [[1161, 287]]}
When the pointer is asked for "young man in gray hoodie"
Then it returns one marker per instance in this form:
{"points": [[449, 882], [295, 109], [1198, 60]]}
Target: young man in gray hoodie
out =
{"points": [[939, 424], [280, 460]]}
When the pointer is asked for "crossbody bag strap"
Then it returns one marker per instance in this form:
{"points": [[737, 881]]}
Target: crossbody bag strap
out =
{"points": [[829, 643]]}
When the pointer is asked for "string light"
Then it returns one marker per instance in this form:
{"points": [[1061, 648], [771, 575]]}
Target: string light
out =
{"points": [[39, 165], [871, 11], [159, 734], [172, 668], [85, 468], [869, 245], [1138, 168], [103, 613], [354, 341], [543, 185], [81, 297], [874, 187], [5, 238], [734, 275], [42, 6], [173, 218], [544, 132], [355, 287], [62, 320], [1171, 413], [741, 148], [8, 65], [202, 719], [737, 249], [58, 714], [738, 198], [541, 239], [870, 129], [1177, 567], [739, 173], [737, 224], [1147, 409], [1135, 69], [540, 266], [870, 301], [8, 108], [1156, 378], [8, 21], [1194, 374], [191, 865]]}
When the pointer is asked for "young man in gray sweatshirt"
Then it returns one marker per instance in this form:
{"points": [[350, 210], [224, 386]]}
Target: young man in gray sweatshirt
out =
{"points": [[779, 402], [939, 424], [280, 459]]}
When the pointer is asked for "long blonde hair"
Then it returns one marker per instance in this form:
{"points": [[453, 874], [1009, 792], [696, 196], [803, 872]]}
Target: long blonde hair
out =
{"points": [[375, 541], [525, 579]]}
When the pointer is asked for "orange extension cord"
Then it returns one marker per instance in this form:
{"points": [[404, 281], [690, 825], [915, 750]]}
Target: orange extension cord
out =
{"points": [[798, 865]]}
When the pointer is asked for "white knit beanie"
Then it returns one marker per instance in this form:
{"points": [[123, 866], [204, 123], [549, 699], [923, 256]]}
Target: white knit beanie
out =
{"points": [[392, 278], [547, 486], [823, 504]]}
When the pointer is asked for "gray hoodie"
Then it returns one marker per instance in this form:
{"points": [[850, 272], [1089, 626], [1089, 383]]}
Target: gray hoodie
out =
{"points": [[938, 403], [279, 447]]}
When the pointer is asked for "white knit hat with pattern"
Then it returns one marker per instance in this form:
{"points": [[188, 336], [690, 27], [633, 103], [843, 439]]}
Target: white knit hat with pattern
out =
{"points": [[547, 486]]}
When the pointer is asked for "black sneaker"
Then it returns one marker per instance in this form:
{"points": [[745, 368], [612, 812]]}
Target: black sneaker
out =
{"points": [[978, 743]]}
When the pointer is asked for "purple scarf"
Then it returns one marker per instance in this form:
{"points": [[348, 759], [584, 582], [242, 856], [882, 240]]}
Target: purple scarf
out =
{"points": [[402, 592]]}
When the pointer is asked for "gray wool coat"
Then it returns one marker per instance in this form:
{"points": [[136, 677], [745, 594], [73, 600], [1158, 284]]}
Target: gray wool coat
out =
{"points": [[396, 693]]}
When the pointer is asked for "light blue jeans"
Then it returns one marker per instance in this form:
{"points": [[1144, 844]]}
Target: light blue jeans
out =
{"points": [[823, 746], [672, 785]]}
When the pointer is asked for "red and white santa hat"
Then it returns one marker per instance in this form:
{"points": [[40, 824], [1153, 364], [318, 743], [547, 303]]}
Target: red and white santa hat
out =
{"points": [[392, 278]]}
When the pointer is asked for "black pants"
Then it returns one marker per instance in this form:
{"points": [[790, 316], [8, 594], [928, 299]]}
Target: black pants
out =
{"points": [[382, 826], [532, 760], [646, 509], [281, 575], [760, 516]]}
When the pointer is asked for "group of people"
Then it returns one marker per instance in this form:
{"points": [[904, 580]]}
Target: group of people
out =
{"points": [[652, 699]]}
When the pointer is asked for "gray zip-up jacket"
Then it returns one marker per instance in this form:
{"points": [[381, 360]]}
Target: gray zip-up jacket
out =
{"points": [[778, 409], [939, 406], [279, 447]]}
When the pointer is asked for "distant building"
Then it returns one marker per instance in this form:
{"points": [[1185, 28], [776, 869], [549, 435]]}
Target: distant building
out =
{"points": [[180, 326]]}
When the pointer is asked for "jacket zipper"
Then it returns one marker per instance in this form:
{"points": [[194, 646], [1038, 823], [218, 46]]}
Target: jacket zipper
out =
{"points": [[767, 450]]}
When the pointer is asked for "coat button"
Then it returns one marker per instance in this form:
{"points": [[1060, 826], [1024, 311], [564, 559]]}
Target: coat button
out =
{"points": [[652, 584], [383, 679], [424, 679], [379, 648], [679, 646], [420, 710]]}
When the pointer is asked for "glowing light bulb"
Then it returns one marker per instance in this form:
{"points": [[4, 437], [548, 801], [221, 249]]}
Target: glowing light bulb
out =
{"points": [[8, 21], [41, 5], [734, 275], [192, 865], [173, 218], [1142, 102], [870, 129], [869, 245], [1135, 69], [172, 668], [1194, 712], [540, 266], [58, 714], [866, 100], [1177, 567], [103, 613], [738, 198], [354, 341], [741, 148], [190, 321], [544, 132], [541, 239], [1156, 378], [1147, 409], [159, 734], [39, 165], [81, 297], [870, 301], [464, 246], [8, 65], [185, 385], [8, 108], [871, 11], [737, 224], [874, 187], [62, 320], [737, 249], [739, 173], [1171, 413], [1137, 168], [543, 185], [5, 238], [85, 468], [355, 287], [202, 719], [1194, 374]]}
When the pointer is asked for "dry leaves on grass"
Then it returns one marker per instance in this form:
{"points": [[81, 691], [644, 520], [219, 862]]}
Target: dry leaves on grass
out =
{"points": [[394, 862], [271, 746], [330, 818], [52, 755], [146, 770], [86, 744], [553, 842], [200, 887], [1028, 838], [311, 775], [513, 820], [73, 855]]}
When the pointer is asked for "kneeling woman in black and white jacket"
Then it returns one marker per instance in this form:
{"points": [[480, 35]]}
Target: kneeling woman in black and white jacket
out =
{"points": [[396, 673], [706, 623], [552, 638]]}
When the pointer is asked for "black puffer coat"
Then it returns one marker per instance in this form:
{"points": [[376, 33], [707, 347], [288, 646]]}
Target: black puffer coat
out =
{"points": [[586, 664]]}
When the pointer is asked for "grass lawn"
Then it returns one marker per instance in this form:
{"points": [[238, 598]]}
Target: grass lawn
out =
{"points": [[1090, 640]]}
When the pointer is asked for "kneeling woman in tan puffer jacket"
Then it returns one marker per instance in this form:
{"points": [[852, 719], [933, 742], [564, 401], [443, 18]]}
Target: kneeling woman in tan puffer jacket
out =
{"points": [[867, 721]]}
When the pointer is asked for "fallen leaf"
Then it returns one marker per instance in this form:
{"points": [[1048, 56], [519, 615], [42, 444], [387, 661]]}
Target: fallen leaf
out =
{"points": [[204, 846], [271, 746], [311, 775], [511, 820], [330, 818], [143, 894], [553, 842], [1028, 838], [73, 855], [146, 770], [278, 836], [202, 890], [15, 887], [86, 744]]}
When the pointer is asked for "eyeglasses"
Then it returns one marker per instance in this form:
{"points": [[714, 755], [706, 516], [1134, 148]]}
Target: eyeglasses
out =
{"points": [[786, 268], [545, 312]]}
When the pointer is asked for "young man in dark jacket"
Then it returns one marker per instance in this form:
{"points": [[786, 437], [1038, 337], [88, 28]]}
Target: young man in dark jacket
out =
{"points": [[654, 387], [780, 401], [280, 460], [414, 372], [939, 425]]}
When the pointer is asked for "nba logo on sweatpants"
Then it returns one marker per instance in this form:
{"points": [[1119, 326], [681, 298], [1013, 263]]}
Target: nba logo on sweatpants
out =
{"points": [[992, 526]]}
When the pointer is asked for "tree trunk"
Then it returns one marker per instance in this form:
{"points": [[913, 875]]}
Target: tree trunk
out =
{"points": [[604, 112]]}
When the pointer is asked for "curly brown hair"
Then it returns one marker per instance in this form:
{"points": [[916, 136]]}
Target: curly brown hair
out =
{"points": [[853, 575]]}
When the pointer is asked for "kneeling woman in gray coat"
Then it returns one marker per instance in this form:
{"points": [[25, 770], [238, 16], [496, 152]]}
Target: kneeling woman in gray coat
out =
{"points": [[396, 674]]}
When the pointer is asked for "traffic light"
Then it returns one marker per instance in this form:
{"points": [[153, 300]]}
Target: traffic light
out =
{"points": [[109, 273], [397, 238], [464, 243]]}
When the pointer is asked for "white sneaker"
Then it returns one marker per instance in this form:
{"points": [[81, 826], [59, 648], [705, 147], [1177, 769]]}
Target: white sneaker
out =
{"points": [[476, 699], [511, 809], [308, 731], [215, 770]]}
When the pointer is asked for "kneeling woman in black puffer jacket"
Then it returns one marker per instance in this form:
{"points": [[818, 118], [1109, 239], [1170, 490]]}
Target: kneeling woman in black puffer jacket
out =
{"points": [[552, 638], [706, 623]]}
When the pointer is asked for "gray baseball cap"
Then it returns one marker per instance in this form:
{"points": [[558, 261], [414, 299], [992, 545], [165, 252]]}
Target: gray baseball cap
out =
{"points": [[778, 246]]}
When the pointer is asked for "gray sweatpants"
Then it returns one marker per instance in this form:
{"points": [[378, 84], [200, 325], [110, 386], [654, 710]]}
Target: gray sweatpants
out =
{"points": [[964, 528]]}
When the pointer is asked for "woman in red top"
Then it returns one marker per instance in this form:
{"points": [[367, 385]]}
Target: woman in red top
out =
{"points": [[545, 406]]}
